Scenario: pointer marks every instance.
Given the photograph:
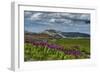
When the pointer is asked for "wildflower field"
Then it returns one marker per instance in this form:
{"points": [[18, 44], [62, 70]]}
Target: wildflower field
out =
{"points": [[57, 49]]}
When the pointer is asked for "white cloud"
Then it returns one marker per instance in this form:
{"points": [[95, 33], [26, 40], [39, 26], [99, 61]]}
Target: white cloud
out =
{"points": [[54, 15], [52, 20], [69, 22], [86, 17], [36, 16], [76, 16], [55, 19], [66, 14], [27, 13]]}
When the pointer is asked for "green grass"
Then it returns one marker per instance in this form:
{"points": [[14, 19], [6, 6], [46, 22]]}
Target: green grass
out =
{"points": [[84, 44], [33, 53]]}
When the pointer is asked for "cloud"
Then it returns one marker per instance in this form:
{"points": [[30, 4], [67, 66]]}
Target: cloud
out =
{"points": [[56, 20], [35, 16], [27, 14], [85, 16], [52, 20]]}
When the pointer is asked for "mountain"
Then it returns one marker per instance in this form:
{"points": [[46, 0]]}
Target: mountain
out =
{"points": [[60, 34], [51, 33], [75, 34]]}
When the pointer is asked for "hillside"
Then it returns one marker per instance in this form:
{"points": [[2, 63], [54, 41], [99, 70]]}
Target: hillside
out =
{"points": [[56, 34]]}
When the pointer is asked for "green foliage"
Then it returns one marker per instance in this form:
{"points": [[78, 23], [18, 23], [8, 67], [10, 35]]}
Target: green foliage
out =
{"points": [[38, 53]]}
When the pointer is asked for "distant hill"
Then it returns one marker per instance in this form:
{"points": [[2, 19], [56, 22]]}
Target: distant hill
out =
{"points": [[75, 34], [65, 34], [51, 33]]}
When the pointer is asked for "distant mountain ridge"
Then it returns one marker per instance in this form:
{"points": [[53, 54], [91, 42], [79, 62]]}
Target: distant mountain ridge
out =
{"points": [[65, 34], [59, 34]]}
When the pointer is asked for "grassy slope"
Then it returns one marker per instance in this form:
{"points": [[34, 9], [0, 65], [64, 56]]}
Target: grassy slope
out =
{"points": [[37, 53]]}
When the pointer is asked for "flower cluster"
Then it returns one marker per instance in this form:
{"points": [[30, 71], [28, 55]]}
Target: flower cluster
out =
{"points": [[73, 52], [57, 47]]}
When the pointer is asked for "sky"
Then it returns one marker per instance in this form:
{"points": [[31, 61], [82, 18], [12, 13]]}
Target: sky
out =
{"points": [[38, 21]]}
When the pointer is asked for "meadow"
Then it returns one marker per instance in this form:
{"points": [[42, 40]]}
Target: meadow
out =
{"points": [[57, 49]]}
